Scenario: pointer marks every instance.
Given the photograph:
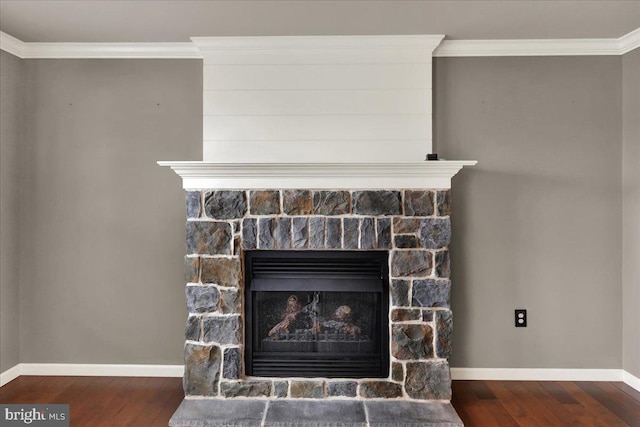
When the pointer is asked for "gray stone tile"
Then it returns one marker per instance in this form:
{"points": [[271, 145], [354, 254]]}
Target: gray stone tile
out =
{"points": [[300, 231], [192, 330], [351, 233], [444, 203], [208, 237], [376, 202], [331, 203], [225, 204], [342, 388], [367, 233], [305, 413], [193, 204], [283, 233], [202, 369], [444, 332], [297, 202], [334, 233], [230, 301], [232, 363], [380, 389], [280, 389], [192, 269], [246, 388], [434, 233], [405, 241], [307, 389], [222, 329], [409, 263], [412, 414], [384, 233], [249, 233], [431, 293], [443, 264], [430, 380], [221, 271], [265, 235], [418, 202], [264, 202], [219, 413], [202, 299], [316, 232], [400, 292], [412, 342]]}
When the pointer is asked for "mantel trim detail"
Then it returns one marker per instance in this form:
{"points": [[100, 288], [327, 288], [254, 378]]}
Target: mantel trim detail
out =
{"points": [[435, 174]]}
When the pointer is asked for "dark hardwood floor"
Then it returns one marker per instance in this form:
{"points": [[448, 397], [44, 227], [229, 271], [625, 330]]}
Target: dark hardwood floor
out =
{"points": [[139, 402]]}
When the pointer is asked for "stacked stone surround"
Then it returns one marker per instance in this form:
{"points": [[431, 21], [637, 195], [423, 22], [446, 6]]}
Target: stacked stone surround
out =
{"points": [[413, 225]]}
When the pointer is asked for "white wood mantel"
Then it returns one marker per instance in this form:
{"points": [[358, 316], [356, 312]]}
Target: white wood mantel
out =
{"points": [[406, 175]]}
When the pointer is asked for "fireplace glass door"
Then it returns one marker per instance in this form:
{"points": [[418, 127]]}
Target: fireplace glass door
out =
{"points": [[317, 314]]}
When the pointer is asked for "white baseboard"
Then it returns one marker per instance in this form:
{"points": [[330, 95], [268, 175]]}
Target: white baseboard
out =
{"points": [[517, 374], [9, 375], [505, 374], [91, 370], [631, 380]]}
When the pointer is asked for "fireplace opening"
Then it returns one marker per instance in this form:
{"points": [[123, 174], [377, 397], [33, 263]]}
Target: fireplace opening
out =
{"points": [[317, 314]]}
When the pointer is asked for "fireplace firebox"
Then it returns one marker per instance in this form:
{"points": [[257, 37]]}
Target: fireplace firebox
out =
{"points": [[317, 314]]}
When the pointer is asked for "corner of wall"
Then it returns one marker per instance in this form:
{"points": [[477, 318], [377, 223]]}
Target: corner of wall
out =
{"points": [[631, 212]]}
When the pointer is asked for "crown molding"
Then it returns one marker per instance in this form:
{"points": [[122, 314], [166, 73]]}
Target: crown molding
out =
{"points": [[12, 45], [321, 44], [629, 41], [113, 50], [542, 47], [539, 47], [98, 50]]}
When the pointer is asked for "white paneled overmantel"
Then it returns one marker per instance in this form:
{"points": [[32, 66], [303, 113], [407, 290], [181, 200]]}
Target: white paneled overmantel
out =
{"points": [[317, 98], [408, 175]]}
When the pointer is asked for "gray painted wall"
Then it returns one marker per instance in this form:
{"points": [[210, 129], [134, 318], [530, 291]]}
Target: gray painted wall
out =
{"points": [[537, 223], [11, 114], [631, 212], [103, 226]]}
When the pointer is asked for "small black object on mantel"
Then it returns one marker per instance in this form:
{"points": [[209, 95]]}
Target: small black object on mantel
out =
{"points": [[433, 156]]}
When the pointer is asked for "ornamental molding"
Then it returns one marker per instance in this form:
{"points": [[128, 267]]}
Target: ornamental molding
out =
{"points": [[433, 174], [321, 44]]}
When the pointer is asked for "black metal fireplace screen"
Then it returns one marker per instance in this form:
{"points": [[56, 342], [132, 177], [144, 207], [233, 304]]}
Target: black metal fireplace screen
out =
{"points": [[317, 314]]}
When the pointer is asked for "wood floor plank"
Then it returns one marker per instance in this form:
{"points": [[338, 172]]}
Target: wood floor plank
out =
{"points": [[153, 401], [553, 405], [632, 392], [478, 414], [559, 393], [611, 402], [540, 412], [460, 401], [480, 389], [599, 412], [22, 389], [516, 409]]}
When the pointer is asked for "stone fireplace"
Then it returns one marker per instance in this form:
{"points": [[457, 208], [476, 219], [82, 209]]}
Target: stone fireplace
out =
{"points": [[412, 226], [317, 241]]}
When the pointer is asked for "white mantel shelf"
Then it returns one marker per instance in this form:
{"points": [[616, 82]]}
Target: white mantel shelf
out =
{"points": [[431, 174]]}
